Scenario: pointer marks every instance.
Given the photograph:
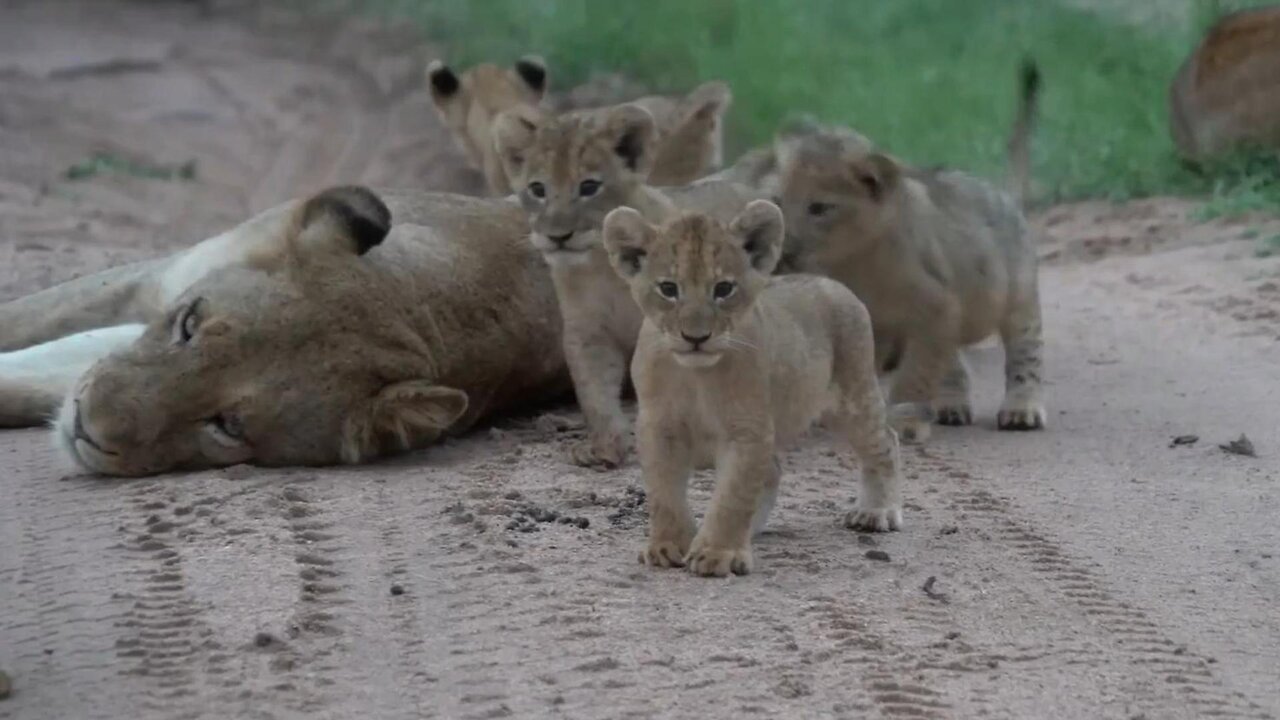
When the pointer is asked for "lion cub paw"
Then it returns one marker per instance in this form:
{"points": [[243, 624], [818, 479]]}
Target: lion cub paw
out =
{"points": [[605, 453], [874, 519], [912, 421], [954, 414], [664, 554], [717, 561], [1021, 416]]}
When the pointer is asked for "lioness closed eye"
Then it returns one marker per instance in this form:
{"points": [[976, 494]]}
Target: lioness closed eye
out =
{"points": [[731, 364]]}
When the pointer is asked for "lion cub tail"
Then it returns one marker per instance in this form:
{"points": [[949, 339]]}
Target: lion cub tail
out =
{"points": [[1023, 124]]}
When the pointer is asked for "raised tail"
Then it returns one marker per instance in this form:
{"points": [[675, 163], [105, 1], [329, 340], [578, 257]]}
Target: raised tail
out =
{"points": [[1020, 139]]}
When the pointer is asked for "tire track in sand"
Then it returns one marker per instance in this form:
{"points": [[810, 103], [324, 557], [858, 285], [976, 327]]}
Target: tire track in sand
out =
{"points": [[1126, 628]]}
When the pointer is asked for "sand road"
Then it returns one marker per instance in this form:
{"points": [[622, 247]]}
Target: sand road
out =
{"points": [[1090, 571]]}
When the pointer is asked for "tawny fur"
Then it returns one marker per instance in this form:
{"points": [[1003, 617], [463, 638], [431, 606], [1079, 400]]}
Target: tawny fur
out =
{"points": [[612, 153], [1226, 94], [689, 128], [306, 351], [940, 258], [732, 365]]}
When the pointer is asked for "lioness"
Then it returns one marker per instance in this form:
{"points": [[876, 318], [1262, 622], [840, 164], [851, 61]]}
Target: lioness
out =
{"points": [[573, 169], [732, 363], [689, 127], [1227, 92], [332, 329], [941, 259]]}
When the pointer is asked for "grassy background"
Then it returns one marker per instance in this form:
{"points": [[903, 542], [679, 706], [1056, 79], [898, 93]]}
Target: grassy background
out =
{"points": [[931, 80]]}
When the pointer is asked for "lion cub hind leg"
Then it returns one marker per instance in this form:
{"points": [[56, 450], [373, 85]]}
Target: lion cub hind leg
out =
{"points": [[665, 463], [745, 469], [862, 416], [598, 368], [768, 499], [1023, 406], [952, 406]]}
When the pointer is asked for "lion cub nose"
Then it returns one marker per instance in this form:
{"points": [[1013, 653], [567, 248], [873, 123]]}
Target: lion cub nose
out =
{"points": [[560, 240], [695, 341]]}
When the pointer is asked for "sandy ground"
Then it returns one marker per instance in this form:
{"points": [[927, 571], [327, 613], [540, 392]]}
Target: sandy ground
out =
{"points": [[1090, 571]]}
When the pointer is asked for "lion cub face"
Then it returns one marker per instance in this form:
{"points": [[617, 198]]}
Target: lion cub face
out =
{"points": [[695, 278], [837, 194], [571, 170], [468, 104]]}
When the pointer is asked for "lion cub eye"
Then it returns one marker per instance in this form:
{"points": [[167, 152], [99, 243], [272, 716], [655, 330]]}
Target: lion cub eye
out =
{"points": [[588, 188], [537, 190], [669, 290], [818, 209], [723, 290]]}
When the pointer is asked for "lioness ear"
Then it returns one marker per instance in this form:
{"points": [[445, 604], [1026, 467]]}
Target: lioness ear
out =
{"points": [[758, 229], [445, 85], [343, 219], [877, 173], [513, 134], [532, 69], [402, 416], [627, 237], [630, 132]]}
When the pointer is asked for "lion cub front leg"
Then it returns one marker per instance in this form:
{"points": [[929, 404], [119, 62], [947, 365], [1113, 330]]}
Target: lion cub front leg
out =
{"points": [[598, 367], [745, 471], [665, 463], [952, 405], [924, 365]]}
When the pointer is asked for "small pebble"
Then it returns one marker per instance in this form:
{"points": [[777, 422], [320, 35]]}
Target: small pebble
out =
{"points": [[877, 555], [6, 686], [263, 639], [397, 589]]}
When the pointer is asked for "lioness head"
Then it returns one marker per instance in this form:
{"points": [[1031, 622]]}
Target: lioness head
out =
{"points": [[572, 169], [694, 278], [299, 356], [837, 192], [468, 103]]}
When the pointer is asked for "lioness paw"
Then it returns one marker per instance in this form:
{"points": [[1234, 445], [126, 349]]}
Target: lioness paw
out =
{"points": [[874, 519], [599, 453], [1029, 416], [912, 421], [711, 561], [664, 554]]}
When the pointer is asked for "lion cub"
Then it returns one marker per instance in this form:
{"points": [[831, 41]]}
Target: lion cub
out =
{"points": [[731, 364], [571, 170], [689, 127], [942, 260]]}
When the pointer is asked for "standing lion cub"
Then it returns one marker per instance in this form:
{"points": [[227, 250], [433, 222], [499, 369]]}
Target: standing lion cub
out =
{"points": [[732, 363], [942, 260]]}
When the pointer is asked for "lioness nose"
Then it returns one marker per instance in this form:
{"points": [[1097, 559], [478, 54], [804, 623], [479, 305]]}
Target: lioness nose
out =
{"points": [[560, 239], [695, 341]]}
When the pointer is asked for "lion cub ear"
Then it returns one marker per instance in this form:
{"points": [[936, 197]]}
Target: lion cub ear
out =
{"points": [[631, 132], [514, 132], [532, 70], [758, 230], [627, 237], [402, 416], [349, 219], [877, 174], [445, 84]]}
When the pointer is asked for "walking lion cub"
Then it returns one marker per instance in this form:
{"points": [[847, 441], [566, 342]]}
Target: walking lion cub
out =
{"points": [[730, 365]]}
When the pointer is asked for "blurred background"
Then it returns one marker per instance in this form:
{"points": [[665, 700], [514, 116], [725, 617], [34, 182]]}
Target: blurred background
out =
{"points": [[931, 80]]}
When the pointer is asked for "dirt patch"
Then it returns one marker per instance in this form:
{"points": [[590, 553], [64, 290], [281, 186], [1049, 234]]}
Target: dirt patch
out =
{"points": [[1085, 569]]}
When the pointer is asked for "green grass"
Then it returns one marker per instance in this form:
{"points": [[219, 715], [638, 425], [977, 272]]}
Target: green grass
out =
{"points": [[931, 80]]}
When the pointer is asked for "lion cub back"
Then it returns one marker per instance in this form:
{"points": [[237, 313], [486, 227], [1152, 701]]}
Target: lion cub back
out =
{"points": [[813, 325]]}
